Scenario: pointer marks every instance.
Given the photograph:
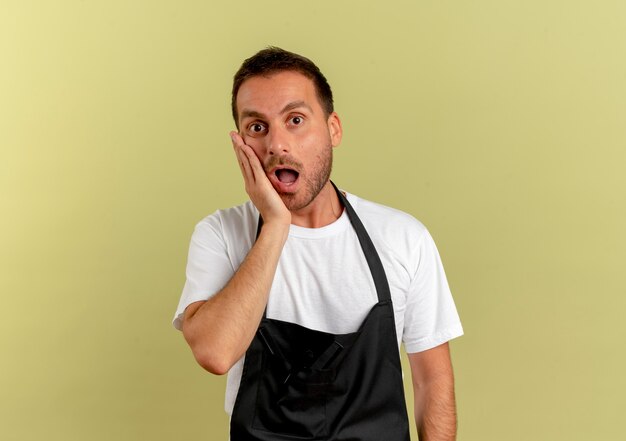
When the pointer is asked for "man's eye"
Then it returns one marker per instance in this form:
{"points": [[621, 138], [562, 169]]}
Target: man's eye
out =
{"points": [[256, 128], [296, 120]]}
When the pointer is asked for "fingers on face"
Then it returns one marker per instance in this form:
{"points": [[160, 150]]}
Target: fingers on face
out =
{"points": [[248, 161], [242, 160]]}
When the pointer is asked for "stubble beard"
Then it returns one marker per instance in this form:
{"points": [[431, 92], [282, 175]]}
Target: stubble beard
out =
{"points": [[313, 184]]}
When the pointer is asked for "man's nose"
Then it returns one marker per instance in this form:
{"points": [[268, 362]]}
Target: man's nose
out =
{"points": [[278, 141]]}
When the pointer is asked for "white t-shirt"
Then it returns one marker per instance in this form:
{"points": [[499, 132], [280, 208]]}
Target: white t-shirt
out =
{"points": [[323, 282]]}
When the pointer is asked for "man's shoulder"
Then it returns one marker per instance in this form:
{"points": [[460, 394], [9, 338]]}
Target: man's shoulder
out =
{"points": [[397, 235], [230, 221], [384, 217]]}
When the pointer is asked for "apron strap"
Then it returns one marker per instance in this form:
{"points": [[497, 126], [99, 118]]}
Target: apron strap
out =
{"points": [[371, 255]]}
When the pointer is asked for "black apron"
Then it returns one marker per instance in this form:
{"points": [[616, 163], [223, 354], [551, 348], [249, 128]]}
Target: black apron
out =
{"points": [[299, 383]]}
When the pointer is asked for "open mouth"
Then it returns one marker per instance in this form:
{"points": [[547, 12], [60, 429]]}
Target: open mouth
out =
{"points": [[286, 175]]}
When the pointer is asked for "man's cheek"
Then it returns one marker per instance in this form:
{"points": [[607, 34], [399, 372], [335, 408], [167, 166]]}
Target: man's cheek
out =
{"points": [[255, 144], [247, 139]]}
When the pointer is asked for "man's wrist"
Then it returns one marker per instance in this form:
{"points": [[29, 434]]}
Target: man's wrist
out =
{"points": [[276, 229]]}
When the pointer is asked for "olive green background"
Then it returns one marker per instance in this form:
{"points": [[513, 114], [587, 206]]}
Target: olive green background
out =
{"points": [[499, 124]]}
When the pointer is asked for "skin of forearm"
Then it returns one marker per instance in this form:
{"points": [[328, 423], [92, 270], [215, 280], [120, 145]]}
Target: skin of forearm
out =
{"points": [[220, 330], [435, 410]]}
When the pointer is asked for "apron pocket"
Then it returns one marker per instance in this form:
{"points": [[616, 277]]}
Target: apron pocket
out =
{"points": [[292, 404]]}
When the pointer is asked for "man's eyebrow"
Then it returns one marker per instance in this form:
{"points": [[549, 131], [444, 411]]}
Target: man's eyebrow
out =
{"points": [[249, 113], [294, 105]]}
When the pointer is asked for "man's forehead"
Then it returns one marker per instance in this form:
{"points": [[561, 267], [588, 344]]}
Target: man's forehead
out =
{"points": [[276, 90]]}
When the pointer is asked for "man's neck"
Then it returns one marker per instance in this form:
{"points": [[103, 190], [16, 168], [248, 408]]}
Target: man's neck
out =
{"points": [[323, 210]]}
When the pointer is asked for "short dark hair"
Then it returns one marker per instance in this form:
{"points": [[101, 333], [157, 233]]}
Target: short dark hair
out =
{"points": [[273, 60]]}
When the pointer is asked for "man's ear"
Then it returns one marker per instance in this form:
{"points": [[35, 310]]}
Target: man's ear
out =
{"points": [[334, 128]]}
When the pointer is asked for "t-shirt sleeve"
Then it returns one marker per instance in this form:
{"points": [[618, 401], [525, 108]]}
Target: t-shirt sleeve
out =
{"points": [[209, 267], [431, 317]]}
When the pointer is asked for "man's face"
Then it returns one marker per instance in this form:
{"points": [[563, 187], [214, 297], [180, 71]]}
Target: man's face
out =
{"points": [[281, 118]]}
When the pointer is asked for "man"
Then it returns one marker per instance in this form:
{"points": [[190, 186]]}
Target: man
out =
{"points": [[304, 294]]}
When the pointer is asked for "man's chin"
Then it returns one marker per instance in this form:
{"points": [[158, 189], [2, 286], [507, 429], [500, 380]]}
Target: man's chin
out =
{"points": [[292, 202]]}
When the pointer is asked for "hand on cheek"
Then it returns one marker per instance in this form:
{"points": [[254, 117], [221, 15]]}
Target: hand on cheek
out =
{"points": [[257, 185]]}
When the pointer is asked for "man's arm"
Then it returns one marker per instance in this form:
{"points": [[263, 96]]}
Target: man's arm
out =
{"points": [[220, 329], [433, 389]]}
